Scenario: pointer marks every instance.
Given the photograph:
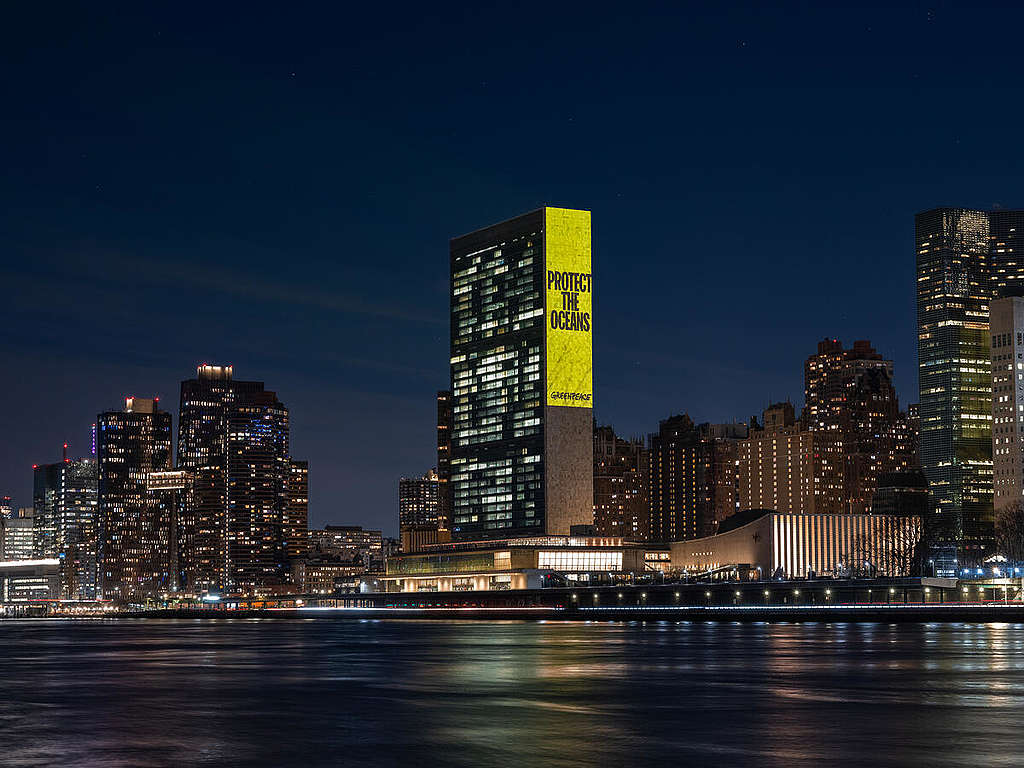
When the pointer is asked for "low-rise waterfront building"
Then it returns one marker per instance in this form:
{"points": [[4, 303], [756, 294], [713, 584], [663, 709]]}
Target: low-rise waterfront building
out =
{"points": [[795, 545], [522, 563]]}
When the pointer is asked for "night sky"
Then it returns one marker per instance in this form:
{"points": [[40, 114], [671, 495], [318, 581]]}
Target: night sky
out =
{"points": [[275, 188]]}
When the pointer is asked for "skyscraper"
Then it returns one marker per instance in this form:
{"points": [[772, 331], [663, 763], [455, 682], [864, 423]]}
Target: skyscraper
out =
{"points": [[258, 469], [205, 404], [964, 259], [521, 325], [134, 529], [65, 498], [621, 477]]}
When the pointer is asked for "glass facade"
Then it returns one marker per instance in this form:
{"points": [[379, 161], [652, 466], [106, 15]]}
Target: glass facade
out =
{"points": [[64, 496], [497, 337], [954, 287]]}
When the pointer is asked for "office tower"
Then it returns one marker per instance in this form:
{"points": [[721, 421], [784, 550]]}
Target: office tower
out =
{"points": [[171, 492], [776, 464], [6, 508], [852, 407], [621, 475], [65, 499], [444, 463], [134, 529], [417, 500], [202, 451], [17, 536], [295, 528], [1007, 360], [965, 258], [521, 325], [258, 468]]}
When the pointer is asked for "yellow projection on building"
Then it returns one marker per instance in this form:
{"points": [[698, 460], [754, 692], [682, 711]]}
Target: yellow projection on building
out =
{"points": [[569, 308]]}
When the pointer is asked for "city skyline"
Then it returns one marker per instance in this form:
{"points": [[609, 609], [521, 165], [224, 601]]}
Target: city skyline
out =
{"points": [[759, 182]]}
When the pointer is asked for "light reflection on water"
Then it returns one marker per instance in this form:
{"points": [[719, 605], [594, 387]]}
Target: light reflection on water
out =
{"points": [[332, 692]]}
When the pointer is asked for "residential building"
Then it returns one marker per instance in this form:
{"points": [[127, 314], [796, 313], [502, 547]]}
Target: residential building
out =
{"points": [[852, 407], [1007, 361], [621, 477], [134, 529], [776, 467], [295, 529]]}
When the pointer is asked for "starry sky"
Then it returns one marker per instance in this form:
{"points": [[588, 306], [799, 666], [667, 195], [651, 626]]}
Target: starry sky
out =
{"points": [[274, 186]]}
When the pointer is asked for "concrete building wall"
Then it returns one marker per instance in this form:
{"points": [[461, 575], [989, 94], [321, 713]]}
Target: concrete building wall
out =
{"points": [[568, 468]]}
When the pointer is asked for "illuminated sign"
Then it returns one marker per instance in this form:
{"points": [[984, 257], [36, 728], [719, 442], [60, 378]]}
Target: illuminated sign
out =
{"points": [[568, 308]]}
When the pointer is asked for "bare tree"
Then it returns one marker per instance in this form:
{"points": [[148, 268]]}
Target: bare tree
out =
{"points": [[1010, 531]]}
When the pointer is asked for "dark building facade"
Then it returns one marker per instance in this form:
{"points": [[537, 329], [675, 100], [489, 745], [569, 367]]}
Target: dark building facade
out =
{"points": [[258, 468], [965, 258], [521, 370], [134, 529], [444, 462], [680, 478], [203, 412], [852, 408], [248, 508], [621, 476], [295, 528]]}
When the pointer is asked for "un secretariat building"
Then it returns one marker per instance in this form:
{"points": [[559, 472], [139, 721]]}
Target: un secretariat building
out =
{"points": [[522, 377]]}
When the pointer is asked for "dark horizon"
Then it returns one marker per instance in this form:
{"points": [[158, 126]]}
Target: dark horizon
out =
{"points": [[277, 191]]}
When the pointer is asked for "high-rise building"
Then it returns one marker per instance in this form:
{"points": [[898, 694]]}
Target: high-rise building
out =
{"points": [[17, 540], [776, 464], [247, 493], [964, 259], [171, 494], [202, 451], [417, 500], [521, 325], [295, 528], [680, 479], [65, 498], [1007, 356], [444, 463], [134, 528], [693, 477], [258, 468], [852, 407], [724, 448], [6, 508], [621, 475]]}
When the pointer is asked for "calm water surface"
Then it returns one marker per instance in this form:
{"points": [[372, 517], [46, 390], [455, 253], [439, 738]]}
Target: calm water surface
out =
{"points": [[324, 692]]}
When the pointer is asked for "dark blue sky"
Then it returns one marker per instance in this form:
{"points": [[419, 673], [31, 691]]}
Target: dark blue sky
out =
{"points": [[275, 188]]}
